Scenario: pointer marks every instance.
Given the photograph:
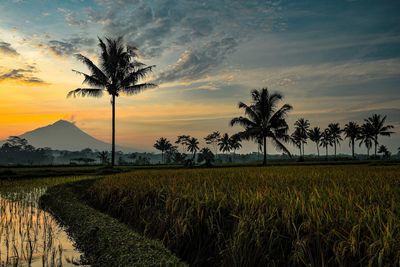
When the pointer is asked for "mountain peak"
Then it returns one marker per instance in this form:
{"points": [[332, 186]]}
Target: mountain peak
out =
{"points": [[63, 122]]}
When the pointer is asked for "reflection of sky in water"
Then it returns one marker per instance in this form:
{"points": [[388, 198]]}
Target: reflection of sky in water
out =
{"points": [[29, 234]]}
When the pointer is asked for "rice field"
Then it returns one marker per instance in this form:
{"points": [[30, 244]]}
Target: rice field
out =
{"points": [[30, 236], [274, 216]]}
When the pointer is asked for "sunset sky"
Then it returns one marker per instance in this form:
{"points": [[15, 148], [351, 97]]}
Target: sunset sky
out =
{"points": [[334, 61]]}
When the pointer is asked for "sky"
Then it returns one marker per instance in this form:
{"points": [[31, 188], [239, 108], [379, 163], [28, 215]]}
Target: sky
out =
{"points": [[334, 61]]}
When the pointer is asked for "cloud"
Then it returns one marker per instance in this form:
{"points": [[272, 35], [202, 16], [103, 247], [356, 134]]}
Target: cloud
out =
{"points": [[71, 18], [22, 75], [189, 28], [195, 64], [7, 49], [67, 47]]}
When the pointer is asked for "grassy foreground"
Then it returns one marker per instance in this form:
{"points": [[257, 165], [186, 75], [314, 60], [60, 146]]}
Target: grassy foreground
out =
{"points": [[104, 240], [275, 216]]}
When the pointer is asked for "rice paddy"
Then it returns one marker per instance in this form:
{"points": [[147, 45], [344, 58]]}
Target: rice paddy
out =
{"points": [[30, 236], [275, 216]]}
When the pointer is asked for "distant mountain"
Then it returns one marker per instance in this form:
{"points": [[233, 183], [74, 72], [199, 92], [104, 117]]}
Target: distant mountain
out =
{"points": [[64, 135]]}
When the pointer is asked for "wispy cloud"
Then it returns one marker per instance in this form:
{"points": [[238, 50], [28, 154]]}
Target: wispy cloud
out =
{"points": [[67, 47], [7, 49], [22, 75]]}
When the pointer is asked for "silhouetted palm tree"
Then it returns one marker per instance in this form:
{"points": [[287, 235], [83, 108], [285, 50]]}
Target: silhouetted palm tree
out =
{"points": [[263, 120], [235, 143], [206, 155], [118, 72], [297, 138], [335, 134], [378, 126], [386, 153], [193, 146], [183, 140], [103, 156], [213, 139], [303, 125], [224, 143], [315, 135], [352, 131], [366, 136], [163, 145], [326, 140]]}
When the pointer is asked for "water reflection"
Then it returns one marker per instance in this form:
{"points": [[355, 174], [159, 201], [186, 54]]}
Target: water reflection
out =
{"points": [[30, 236]]}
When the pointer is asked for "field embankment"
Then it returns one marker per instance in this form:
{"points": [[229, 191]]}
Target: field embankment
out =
{"points": [[104, 240], [275, 216]]}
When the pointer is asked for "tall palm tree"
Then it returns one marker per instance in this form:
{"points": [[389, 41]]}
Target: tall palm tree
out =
{"points": [[335, 133], [366, 136], [193, 146], [118, 72], [297, 139], [213, 139], [352, 132], [303, 125], [377, 123], [163, 145], [224, 143], [263, 120], [326, 140], [235, 143], [315, 135]]}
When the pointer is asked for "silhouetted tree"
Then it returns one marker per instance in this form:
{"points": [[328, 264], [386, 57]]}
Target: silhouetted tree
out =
{"points": [[326, 140], [352, 131], [366, 136], [335, 134], [383, 150], [235, 143], [163, 145], [264, 120], [297, 138], [303, 125], [224, 143], [213, 139], [118, 72], [378, 127], [193, 146], [315, 136], [205, 155], [103, 156], [183, 140]]}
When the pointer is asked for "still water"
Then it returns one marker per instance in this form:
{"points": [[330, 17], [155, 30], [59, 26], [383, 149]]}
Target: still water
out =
{"points": [[30, 236]]}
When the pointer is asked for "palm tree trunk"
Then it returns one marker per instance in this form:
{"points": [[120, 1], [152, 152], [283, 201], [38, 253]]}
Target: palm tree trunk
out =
{"points": [[335, 148], [113, 133], [265, 151], [376, 143], [317, 148], [352, 148], [326, 152]]}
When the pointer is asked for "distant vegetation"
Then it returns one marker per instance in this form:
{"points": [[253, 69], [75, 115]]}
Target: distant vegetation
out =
{"points": [[292, 216]]}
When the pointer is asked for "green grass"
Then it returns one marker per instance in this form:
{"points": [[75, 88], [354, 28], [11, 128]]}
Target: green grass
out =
{"points": [[277, 216]]}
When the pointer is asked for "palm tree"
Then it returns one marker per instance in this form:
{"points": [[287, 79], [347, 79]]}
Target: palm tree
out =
{"points": [[326, 140], [303, 125], [352, 132], [163, 145], [213, 139], [386, 153], [366, 136], [183, 140], [193, 146], [264, 120], [377, 123], [297, 139], [335, 133], [235, 143], [206, 155], [103, 156], [224, 143], [315, 135], [118, 72]]}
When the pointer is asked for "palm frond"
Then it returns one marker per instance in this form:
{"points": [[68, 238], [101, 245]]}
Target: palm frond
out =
{"points": [[83, 92], [91, 80], [137, 88], [136, 76], [92, 67]]}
